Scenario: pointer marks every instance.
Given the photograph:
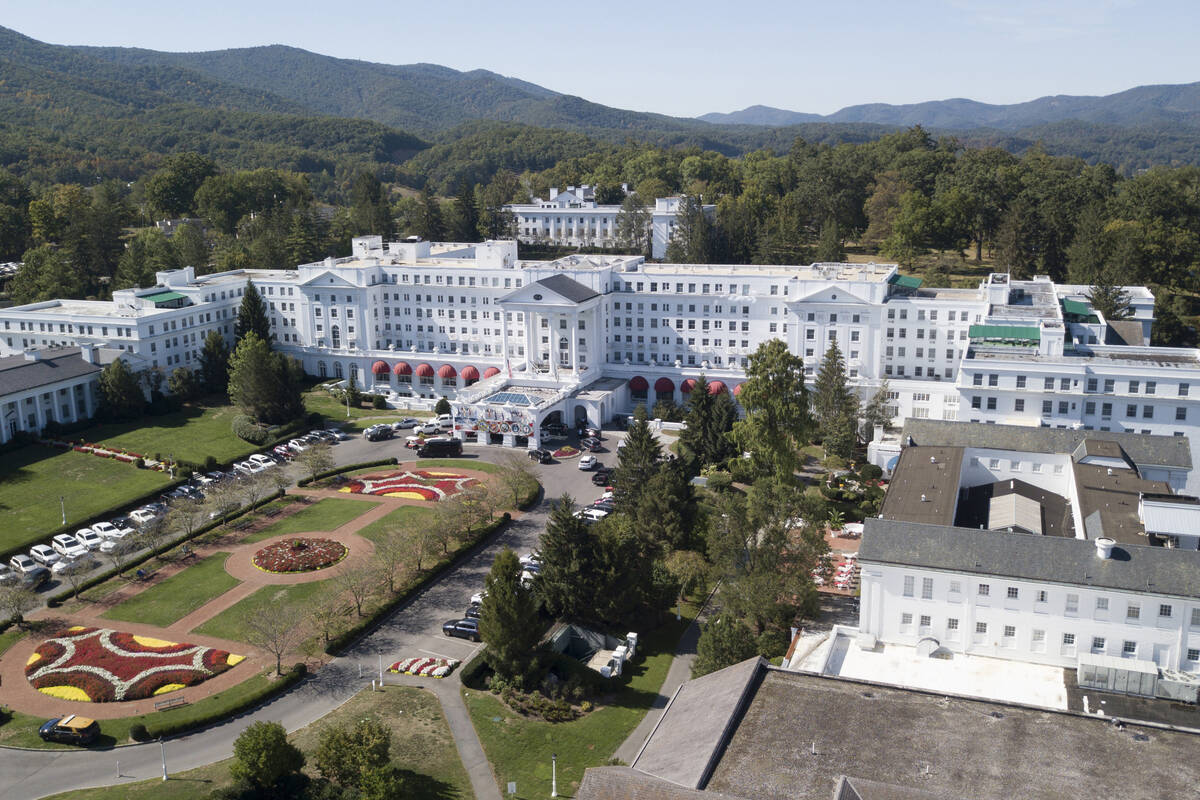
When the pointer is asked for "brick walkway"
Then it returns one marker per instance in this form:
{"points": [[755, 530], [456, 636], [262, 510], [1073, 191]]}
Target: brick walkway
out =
{"points": [[19, 695]]}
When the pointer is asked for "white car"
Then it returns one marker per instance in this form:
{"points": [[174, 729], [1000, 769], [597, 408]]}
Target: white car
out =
{"points": [[22, 563], [587, 462], [84, 561], [142, 516], [67, 546], [531, 558], [297, 446], [477, 598], [264, 461], [44, 554], [101, 529], [429, 428], [89, 538], [590, 515], [118, 539]]}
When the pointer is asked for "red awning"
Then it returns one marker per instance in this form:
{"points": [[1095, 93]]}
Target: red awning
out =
{"points": [[489, 372], [638, 383], [716, 387], [402, 368], [424, 371], [664, 385], [470, 374], [380, 368], [737, 390], [686, 386], [446, 371]]}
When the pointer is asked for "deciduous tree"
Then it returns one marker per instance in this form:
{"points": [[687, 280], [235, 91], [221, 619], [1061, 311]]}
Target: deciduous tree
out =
{"points": [[121, 391], [317, 458], [263, 757], [277, 631]]}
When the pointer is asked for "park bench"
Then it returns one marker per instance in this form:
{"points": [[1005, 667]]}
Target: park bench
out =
{"points": [[174, 702]]}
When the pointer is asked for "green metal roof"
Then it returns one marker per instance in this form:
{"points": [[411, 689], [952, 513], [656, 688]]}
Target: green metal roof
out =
{"points": [[1006, 333], [906, 281], [164, 297], [1080, 309]]}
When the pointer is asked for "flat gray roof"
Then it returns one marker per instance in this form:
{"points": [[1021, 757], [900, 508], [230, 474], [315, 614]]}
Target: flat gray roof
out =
{"points": [[947, 746], [1108, 502], [1145, 450], [1049, 559], [924, 485]]}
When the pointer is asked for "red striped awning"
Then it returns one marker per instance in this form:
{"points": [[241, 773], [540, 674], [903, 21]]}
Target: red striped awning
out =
{"points": [[716, 387], [424, 371], [737, 390], [687, 385], [638, 383], [469, 373], [402, 368], [489, 372], [380, 368], [664, 385], [446, 371]]}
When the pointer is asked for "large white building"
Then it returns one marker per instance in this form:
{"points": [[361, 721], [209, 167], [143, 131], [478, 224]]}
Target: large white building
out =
{"points": [[590, 336], [573, 218]]}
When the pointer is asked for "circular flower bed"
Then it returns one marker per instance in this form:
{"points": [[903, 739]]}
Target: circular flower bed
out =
{"points": [[99, 665], [418, 484], [566, 452], [299, 555]]}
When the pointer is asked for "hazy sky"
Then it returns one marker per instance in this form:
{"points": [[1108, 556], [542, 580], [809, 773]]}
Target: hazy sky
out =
{"points": [[688, 58]]}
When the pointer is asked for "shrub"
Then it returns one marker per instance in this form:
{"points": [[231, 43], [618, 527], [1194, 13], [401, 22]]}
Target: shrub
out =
{"points": [[300, 668], [719, 481], [378, 402], [741, 470], [138, 733], [140, 463], [772, 643], [870, 472], [210, 463], [247, 429]]}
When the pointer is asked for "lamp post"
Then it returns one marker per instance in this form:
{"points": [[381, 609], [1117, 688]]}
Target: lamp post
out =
{"points": [[553, 774], [163, 747], [62, 503]]}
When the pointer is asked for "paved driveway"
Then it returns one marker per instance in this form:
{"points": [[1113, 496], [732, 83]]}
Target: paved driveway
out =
{"points": [[414, 629]]}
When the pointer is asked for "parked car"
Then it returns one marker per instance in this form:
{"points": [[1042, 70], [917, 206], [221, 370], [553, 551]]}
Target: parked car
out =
{"points": [[142, 516], [35, 579], [472, 612], [588, 462], [119, 539], [297, 446], [90, 538], [602, 476], [541, 456], [478, 598], [406, 423], [413, 442], [555, 428], [462, 628], [440, 448], [67, 546], [200, 479], [43, 554], [85, 561], [260, 458], [605, 505], [594, 433], [429, 428], [590, 515], [444, 422], [377, 433], [533, 557], [120, 523], [71, 729], [8, 575], [591, 445], [283, 452], [532, 567], [337, 436]]}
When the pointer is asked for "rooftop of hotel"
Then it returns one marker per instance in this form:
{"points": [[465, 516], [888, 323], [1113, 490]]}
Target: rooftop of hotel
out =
{"points": [[852, 273], [1165, 357], [925, 486]]}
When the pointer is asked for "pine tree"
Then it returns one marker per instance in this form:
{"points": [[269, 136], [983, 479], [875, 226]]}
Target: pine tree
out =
{"points": [[692, 241], [568, 563], [710, 417], [214, 363], [876, 413], [637, 462], [778, 420], [252, 316], [508, 623], [1111, 301], [466, 227], [121, 391], [832, 399], [265, 385], [429, 224], [829, 246]]}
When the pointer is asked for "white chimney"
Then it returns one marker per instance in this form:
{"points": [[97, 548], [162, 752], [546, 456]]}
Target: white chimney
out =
{"points": [[1104, 547], [33, 355], [87, 351]]}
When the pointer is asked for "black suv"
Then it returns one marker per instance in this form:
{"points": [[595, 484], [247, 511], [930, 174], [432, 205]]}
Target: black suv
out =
{"points": [[440, 448], [601, 477], [541, 456], [555, 429], [379, 432], [462, 628], [70, 730]]}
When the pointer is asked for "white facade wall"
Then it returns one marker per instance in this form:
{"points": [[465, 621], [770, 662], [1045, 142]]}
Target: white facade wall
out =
{"points": [[955, 607]]}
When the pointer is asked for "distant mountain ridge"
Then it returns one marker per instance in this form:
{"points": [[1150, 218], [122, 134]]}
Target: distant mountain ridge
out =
{"points": [[1170, 104]]}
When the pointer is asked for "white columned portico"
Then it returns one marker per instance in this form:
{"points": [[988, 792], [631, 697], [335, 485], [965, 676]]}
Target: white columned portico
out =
{"points": [[574, 349]]}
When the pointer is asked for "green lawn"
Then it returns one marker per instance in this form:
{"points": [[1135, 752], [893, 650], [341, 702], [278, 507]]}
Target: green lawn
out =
{"points": [[460, 463], [323, 515], [33, 478], [519, 749], [228, 624], [176, 597], [187, 435], [406, 517], [324, 403], [9, 638], [421, 743]]}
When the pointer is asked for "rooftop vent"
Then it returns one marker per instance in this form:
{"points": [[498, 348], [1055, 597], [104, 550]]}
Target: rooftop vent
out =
{"points": [[924, 499], [1104, 547], [1110, 470], [932, 460]]}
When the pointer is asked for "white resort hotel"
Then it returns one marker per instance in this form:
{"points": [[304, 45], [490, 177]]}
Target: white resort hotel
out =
{"points": [[580, 339]]}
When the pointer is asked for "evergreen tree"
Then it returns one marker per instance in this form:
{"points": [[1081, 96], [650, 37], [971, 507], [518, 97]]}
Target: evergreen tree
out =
{"points": [[214, 363], [832, 398], [371, 211], [875, 413], [633, 226], [724, 641], [829, 246], [191, 248], [303, 240], [508, 623], [252, 317], [266, 385], [778, 422], [637, 462], [710, 417], [1089, 252], [466, 214], [692, 242], [429, 224], [47, 274], [148, 252], [666, 511], [121, 391], [1111, 301], [568, 574]]}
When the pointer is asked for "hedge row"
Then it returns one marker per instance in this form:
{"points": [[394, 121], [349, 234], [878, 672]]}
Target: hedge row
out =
{"points": [[348, 637], [57, 598], [383, 462], [213, 713]]}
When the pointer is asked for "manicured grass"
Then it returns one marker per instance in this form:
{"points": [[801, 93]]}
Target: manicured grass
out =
{"points": [[421, 743], [9, 638], [519, 749], [21, 730], [229, 623], [176, 597], [324, 403], [405, 518], [189, 435], [33, 478], [323, 515], [460, 463]]}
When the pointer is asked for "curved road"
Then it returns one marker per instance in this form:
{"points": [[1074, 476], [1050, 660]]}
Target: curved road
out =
{"points": [[414, 629]]}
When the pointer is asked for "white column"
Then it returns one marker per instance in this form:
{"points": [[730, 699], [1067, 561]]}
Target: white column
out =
{"points": [[530, 324], [575, 342], [40, 411], [504, 339], [74, 404]]}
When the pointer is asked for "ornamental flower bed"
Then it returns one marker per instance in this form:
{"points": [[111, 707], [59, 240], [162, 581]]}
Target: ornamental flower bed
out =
{"points": [[100, 665], [419, 484], [566, 452], [299, 555], [126, 456], [425, 667]]}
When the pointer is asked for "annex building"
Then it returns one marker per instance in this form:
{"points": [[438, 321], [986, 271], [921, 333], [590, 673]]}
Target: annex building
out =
{"points": [[581, 338]]}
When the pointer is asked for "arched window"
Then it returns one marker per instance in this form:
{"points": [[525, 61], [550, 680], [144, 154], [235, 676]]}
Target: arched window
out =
{"points": [[322, 370], [337, 369], [336, 334]]}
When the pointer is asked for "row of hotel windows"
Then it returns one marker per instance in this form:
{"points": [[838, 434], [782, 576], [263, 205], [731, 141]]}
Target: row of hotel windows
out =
{"points": [[1089, 408], [1037, 639], [69, 327], [951, 316], [1092, 385], [1133, 611]]}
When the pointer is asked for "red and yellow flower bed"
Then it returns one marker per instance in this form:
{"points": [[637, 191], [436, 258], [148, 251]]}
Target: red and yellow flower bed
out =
{"points": [[299, 555], [418, 484], [566, 452], [100, 665]]}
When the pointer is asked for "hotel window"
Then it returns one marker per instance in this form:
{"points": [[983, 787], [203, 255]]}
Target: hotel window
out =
{"points": [[1072, 604], [1164, 610], [926, 621], [1183, 389], [1133, 611], [1012, 592], [1068, 642], [1193, 654], [905, 621], [1041, 596], [909, 581], [1038, 641], [984, 590], [1092, 384], [1133, 387], [1129, 648], [955, 587], [981, 628], [1102, 604], [1196, 617], [1180, 413], [1010, 631], [1131, 410], [952, 624], [927, 588], [1151, 386], [1106, 410], [1097, 644]]}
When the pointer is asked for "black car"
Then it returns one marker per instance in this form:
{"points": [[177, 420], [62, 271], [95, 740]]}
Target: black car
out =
{"points": [[379, 433], [35, 579], [602, 477], [605, 505], [462, 628], [473, 612], [555, 429], [541, 456], [71, 729], [440, 448]]}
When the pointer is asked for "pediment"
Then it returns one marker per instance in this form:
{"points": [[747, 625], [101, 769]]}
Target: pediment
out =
{"points": [[327, 279], [831, 294]]}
